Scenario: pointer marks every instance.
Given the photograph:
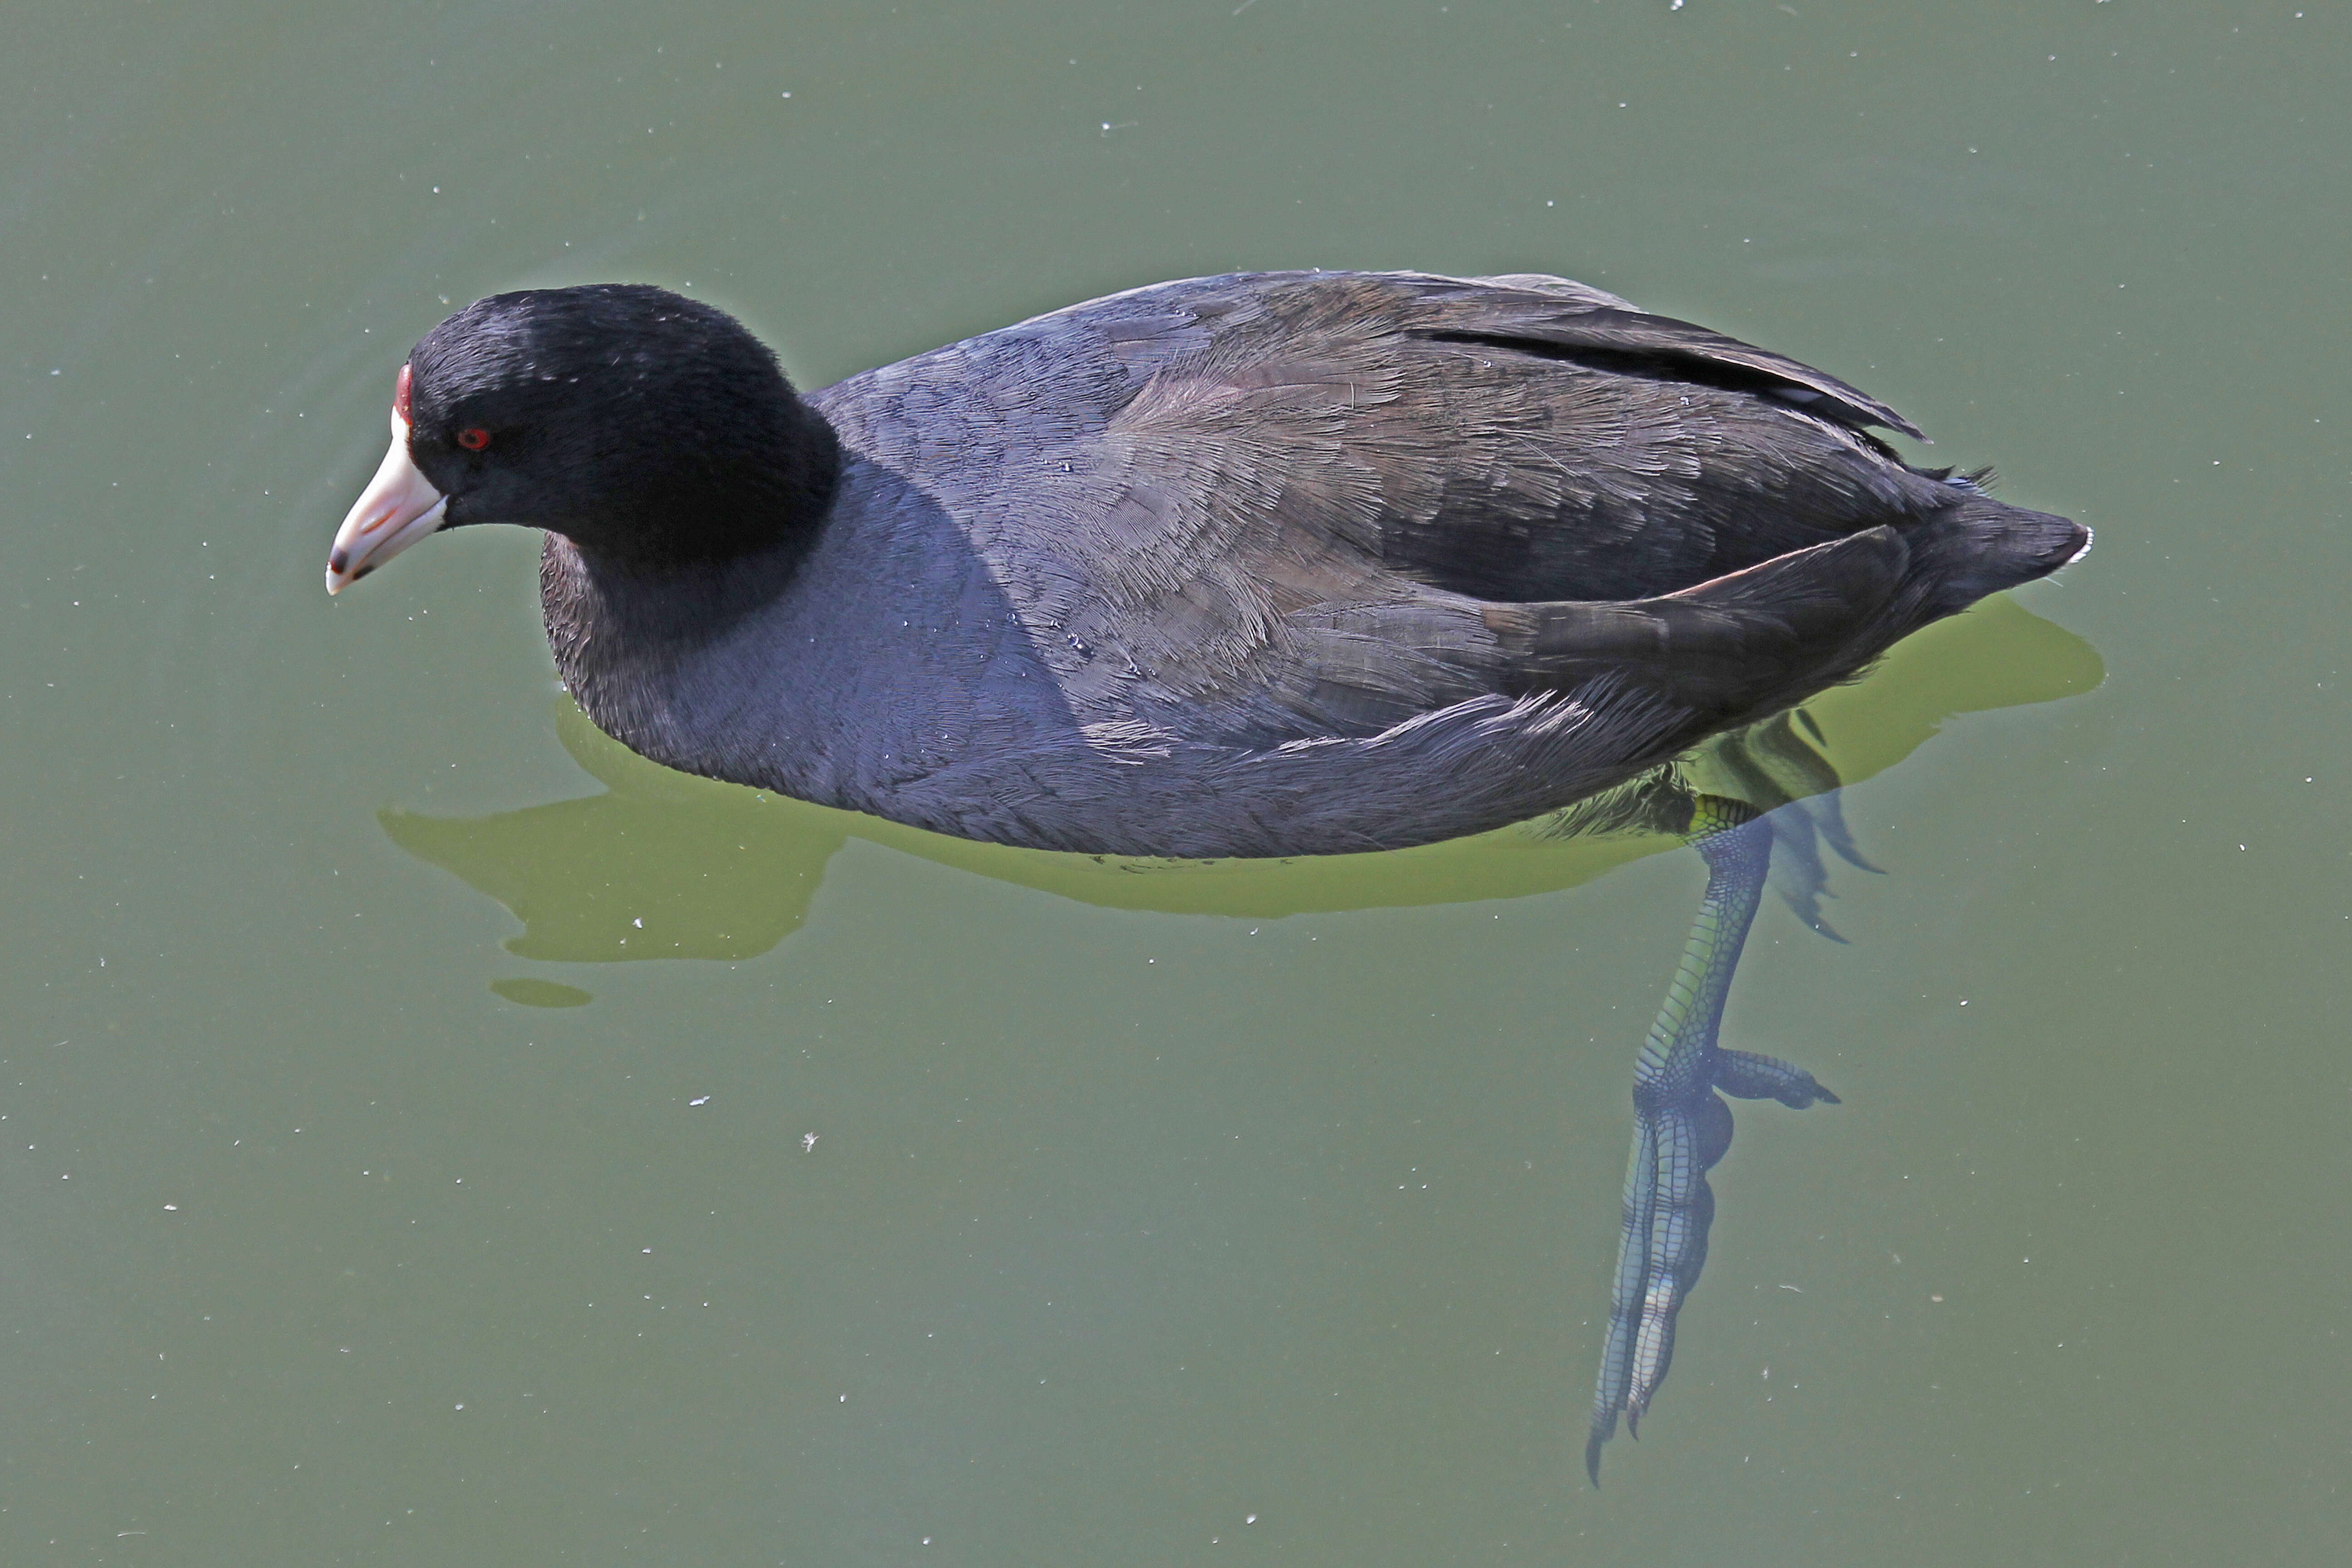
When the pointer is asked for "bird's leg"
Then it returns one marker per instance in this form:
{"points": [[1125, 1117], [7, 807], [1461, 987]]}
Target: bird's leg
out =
{"points": [[1680, 1124]]}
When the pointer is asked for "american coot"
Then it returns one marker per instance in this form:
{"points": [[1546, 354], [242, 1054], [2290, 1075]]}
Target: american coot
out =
{"points": [[1271, 563]]}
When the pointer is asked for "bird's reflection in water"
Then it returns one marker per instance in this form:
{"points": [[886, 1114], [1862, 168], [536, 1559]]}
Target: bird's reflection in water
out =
{"points": [[663, 865]]}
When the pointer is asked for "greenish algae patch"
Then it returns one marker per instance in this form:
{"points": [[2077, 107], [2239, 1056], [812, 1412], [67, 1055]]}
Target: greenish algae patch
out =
{"points": [[541, 993]]}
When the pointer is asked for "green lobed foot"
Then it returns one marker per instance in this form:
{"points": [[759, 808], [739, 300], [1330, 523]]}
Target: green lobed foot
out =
{"points": [[1682, 1125]]}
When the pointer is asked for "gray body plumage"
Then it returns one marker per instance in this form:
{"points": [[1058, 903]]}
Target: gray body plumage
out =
{"points": [[1289, 564]]}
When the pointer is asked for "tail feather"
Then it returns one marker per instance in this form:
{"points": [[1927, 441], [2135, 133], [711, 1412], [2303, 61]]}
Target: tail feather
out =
{"points": [[1982, 546]]}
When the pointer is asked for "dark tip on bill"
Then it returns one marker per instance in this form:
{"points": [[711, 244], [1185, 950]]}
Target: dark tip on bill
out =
{"points": [[338, 560]]}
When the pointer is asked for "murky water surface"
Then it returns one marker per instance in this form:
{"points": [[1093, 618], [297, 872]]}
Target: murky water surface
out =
{"points": [[364, 1200]]}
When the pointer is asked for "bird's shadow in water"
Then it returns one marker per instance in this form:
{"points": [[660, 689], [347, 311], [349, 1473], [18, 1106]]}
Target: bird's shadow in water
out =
{"points": [[665, 865]]}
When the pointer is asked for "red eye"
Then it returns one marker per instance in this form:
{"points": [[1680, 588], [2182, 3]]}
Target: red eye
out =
{"points": [[399, 396], [474, 438]]}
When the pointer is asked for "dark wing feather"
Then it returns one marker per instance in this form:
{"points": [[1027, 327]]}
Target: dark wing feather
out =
{"points": [[1741, 647], [1614, 335], [1313, 505]]}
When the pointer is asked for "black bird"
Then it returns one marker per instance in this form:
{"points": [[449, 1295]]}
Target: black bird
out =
{"points": [[1264, 565]]}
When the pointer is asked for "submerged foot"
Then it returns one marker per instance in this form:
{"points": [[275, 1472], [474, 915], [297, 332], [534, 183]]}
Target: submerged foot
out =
{"points": [[1682, 1125]]}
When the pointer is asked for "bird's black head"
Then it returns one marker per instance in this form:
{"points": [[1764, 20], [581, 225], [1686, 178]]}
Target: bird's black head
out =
{"points": [[642, 425]]}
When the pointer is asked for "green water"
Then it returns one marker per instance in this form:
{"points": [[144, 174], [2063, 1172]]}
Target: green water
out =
{"points": [[360, 1202]]}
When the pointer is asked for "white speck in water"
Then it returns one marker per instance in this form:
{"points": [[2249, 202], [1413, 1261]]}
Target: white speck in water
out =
{"points": [[699, 1099], [808, 1142]]}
